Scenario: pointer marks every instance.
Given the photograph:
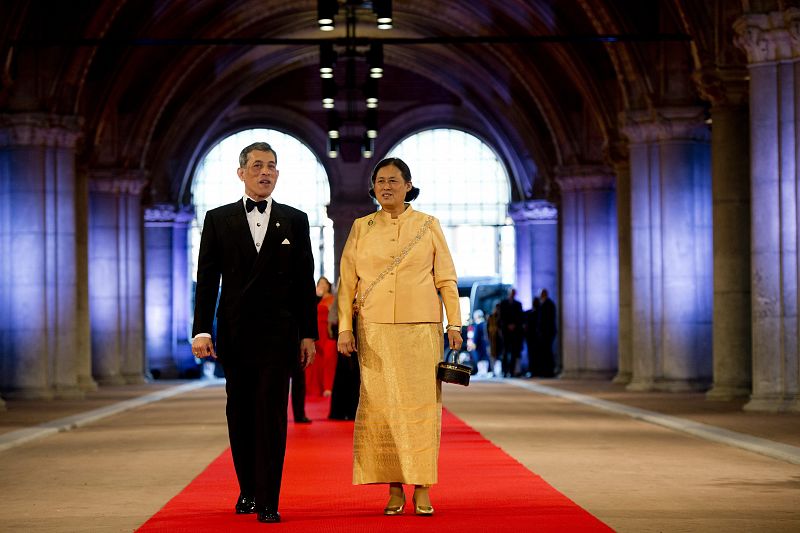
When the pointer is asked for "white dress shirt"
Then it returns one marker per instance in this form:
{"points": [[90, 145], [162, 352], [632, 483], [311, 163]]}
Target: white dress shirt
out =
{"points": [[258, 221]]}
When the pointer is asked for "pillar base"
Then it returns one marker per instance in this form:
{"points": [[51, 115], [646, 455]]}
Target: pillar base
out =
{"points": [[683, 385], [641, 385], [33, 393], [622, 378], [134, 379], [113, 379], [770, 404], [587, 374], [68, 392], [169, 370], [87, 384], [724, 393]]}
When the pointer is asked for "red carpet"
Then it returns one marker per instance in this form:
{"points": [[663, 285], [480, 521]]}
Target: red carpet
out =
{"points": [[480, 488]]}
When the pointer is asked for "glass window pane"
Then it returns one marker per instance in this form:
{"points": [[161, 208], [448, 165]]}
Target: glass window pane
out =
{"points": [[465, 185]]}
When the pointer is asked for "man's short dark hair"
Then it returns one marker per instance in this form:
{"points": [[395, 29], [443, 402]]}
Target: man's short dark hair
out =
{"points": [[261, 147]]}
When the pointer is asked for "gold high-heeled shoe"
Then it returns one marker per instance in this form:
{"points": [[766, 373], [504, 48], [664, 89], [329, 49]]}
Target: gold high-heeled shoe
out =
{"points": [[422, 510], [391, 510]]}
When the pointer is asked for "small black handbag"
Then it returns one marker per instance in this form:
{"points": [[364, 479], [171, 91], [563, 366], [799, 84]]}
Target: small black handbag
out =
{"points": [[453, 372]]}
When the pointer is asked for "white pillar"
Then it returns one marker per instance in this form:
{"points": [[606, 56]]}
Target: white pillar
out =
{"points": [[115, 274], [671, 249], [590, 291], [727, 90], [772, 44], [39, 296], [536, 253], [168, 281], [625, 323]]}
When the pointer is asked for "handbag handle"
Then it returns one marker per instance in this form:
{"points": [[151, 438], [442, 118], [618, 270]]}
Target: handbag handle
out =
{"points": [[452, 352]]}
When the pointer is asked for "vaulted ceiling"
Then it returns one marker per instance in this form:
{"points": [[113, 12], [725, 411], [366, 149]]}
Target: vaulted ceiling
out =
{"points": [[157, 82]]}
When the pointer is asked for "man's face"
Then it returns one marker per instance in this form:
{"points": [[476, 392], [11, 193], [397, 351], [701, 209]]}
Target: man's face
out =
{"points": [[260, 175]]}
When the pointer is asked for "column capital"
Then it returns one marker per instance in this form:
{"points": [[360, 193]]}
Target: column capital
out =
{"points": [[40, 129], [585, 178], [723, 86], [167, 215], [767, 37], [117, 181], [666, 123], [533, 212]]}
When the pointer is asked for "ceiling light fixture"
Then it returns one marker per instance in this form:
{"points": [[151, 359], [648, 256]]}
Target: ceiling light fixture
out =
{"points": [[326, 10]]}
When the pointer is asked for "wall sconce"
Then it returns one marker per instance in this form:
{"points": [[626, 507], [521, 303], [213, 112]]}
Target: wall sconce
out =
{"points": [[329, 90], [383, 10], [327, 60], [326, 10], [375, 60]]}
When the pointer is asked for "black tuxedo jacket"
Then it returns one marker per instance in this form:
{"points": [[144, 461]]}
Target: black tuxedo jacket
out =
{"points": [[267, 301]]}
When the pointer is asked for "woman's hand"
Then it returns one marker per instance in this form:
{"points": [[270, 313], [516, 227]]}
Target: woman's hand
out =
{"points": [[346, 344], [454, 338]]}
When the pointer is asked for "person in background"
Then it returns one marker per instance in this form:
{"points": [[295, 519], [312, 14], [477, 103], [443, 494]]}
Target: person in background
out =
{"points": [[548, 329], [495, 341], [396, 265], [347, 381], [319, 376], [511, 327], [479, 343], [533, 339]]}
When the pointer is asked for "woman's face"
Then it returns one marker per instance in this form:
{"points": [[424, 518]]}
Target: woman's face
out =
{"points": [[390, 187], [323, 287]]}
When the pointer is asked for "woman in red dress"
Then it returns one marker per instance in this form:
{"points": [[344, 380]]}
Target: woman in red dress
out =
{"points": [[319, 376]]}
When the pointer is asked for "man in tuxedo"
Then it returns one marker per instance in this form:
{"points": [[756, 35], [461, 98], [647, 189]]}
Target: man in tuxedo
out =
{"points": [[511, 326], [266, 321]]}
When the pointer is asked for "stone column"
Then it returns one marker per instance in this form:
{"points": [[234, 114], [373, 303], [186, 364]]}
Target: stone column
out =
{"points": [[622, 191], [115, 276], [343, 213], [39, 296], [772, 44], [671, 249], [536, 233], [589, 290], [168, 292], [727, 90]]}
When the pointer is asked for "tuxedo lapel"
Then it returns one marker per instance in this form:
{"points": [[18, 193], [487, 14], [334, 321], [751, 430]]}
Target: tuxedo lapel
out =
{"points": [[240, 230]]}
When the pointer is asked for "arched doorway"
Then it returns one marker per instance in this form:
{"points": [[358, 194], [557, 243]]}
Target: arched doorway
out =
{"points": [[302, 184], [465, 185]]}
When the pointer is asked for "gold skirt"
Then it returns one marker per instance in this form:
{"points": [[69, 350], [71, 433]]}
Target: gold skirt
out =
{"points": [[398, 424]]}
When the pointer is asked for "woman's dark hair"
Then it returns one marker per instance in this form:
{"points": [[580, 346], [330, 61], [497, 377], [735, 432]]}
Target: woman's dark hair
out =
{"points": [[404, 171]]}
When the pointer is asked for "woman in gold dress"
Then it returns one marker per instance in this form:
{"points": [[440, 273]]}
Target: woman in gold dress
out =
{"points": [[394, 267]]}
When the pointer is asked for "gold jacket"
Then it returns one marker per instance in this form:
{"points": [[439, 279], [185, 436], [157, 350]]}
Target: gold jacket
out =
{"points": [[410, 293]]}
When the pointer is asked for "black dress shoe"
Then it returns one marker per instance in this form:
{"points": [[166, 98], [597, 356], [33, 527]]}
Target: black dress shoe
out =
{"points": [[268, 515], [302, 420], [245, 505]]}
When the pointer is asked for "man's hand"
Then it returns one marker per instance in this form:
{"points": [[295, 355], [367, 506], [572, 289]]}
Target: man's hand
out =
{"points": [[307, 352], [202, 347], [346, 343]]}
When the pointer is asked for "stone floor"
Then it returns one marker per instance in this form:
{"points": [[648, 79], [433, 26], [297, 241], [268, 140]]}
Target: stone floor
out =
{"points": [[113, 473]]}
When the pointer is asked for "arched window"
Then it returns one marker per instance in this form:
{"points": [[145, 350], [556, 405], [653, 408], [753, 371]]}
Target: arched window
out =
{"points": [[464, 184], [302, 183]]}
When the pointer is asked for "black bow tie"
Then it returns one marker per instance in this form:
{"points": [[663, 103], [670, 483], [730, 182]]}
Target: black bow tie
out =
{"points": [[261, 205]]}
